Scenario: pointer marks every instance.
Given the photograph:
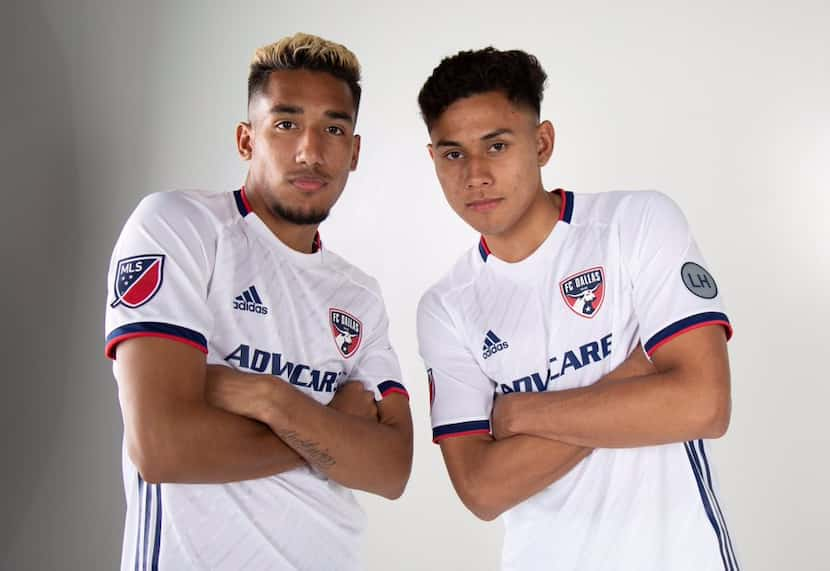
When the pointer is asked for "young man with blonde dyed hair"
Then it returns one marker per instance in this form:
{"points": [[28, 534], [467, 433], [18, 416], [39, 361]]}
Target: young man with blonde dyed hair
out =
{"points": [[255, 373]]}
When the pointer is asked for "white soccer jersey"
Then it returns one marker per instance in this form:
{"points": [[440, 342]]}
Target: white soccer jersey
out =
{"points": [[204, 270], [617, 268]]}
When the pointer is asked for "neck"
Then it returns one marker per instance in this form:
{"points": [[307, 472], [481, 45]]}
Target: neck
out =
{"points": [[299, 237], [530, 230]]}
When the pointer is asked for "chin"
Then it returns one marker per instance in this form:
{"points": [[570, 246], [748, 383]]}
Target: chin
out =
{"points": [[485, 227], [301, 215]]}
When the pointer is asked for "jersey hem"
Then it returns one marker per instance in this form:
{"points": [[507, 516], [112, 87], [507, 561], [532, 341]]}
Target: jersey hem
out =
{"points": [[460, 429], [684, 326], [152, 329], [388, 387]]}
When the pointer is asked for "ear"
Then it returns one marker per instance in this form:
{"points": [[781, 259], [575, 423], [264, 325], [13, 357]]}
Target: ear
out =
{"points": [[431, 151], [355, 152], [545, 137], [244, 140]]}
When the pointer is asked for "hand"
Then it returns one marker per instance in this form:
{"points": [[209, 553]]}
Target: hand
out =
{"points": [[351, 398], [504, 408], [244, 394]]}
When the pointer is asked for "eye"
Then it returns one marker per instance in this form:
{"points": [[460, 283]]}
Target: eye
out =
{"points": [[335, 130], [453, 155], [498, 147], [285, 125]]}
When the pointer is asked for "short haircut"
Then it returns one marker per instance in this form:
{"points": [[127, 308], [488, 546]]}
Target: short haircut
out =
{"points": [[304, 51], [515, 73]]}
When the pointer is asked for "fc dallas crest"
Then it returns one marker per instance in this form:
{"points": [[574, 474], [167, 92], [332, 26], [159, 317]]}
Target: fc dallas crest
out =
{"points": [[137, 279], [584, 292], [347, 330]]}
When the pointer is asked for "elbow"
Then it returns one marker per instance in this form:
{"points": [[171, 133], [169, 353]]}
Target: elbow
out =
{"points": [[481, 501], [714, 417], [717, 424], [483, 510], [393, 493], [395, 486], [153, 466]]}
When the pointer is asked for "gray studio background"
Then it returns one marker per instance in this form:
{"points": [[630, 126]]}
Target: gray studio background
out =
{"points": [[723, 105]]}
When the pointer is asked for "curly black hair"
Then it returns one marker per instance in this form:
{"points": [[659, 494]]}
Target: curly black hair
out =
{"points": [[515, 73]]}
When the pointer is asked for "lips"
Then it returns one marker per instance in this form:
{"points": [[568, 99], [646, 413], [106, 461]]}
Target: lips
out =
{"points": [[308, 183], [484, 204]]}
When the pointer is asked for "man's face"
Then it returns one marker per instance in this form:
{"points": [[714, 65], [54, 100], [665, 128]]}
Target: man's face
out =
{"points": [[488, 153], [301, 143]]}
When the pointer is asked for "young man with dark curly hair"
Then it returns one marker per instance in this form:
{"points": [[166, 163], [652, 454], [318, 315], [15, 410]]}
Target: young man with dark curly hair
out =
{"points": [[542, 399], [235, 335]]}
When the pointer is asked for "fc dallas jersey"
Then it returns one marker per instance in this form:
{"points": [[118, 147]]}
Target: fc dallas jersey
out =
{"points": [[618, 268], [204, 270]]}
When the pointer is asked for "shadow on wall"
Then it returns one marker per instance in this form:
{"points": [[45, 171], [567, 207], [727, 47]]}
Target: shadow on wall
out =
{"points": [[43, 511]]}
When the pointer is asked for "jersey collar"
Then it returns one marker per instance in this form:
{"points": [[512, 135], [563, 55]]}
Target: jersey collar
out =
{"points": [[244, 207], [566, 211]]}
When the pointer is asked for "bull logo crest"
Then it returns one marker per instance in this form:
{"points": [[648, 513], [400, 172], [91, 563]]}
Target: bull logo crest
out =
{"points": [[347, 331], [584, 292]]}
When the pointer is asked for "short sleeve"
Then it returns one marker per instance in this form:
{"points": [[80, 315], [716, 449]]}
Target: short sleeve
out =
{"points": [[461, 395], [159, 273], [673, 290], [378, 367]]}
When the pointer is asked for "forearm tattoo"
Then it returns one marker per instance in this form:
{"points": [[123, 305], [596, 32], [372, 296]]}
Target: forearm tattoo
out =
{"points": [[308, 449]]}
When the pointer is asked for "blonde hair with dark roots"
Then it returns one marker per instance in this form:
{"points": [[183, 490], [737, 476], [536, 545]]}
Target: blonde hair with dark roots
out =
{"points": [[305, 51]]}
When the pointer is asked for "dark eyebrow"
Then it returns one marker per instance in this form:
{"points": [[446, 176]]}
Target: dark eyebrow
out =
{"points": [[341, 115], [446, 143], [496, 133], [286, 109], [487, 137]]}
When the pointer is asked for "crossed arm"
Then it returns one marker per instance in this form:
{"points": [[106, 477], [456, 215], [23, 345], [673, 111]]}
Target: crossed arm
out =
{"points": [[681, 395], [175, 433]]}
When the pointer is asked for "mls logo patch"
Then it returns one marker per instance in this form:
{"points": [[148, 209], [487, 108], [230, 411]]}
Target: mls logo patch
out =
{"points": [[347, 331], [584, 292], [137, 279]]}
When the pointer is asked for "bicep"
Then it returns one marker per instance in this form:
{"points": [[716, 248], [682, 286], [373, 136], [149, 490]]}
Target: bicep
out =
{"points": [[699, 355], [462, 454], [698, 363], [156, 377]]}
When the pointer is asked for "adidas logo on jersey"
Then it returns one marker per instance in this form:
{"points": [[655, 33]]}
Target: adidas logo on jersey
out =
{"points": [[249, 300], [492, 345]]}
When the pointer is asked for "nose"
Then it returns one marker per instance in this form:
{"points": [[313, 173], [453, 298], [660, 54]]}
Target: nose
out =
{"points": [[478, 174], [310, 148]]}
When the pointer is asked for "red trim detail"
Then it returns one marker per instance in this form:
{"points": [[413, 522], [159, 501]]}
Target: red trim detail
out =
{"points": [[109, 350], [465, 433], [395, 390], [726, 325], [244, 196], [486, 247], [564, 204]]}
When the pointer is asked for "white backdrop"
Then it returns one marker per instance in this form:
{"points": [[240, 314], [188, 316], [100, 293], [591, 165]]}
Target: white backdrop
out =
{"points": [[725, 106]]}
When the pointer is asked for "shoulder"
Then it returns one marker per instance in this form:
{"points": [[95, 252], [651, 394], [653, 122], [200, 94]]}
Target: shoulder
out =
{"points": [[439, 298], [187, 205], [624, 207], [186, 214]]}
